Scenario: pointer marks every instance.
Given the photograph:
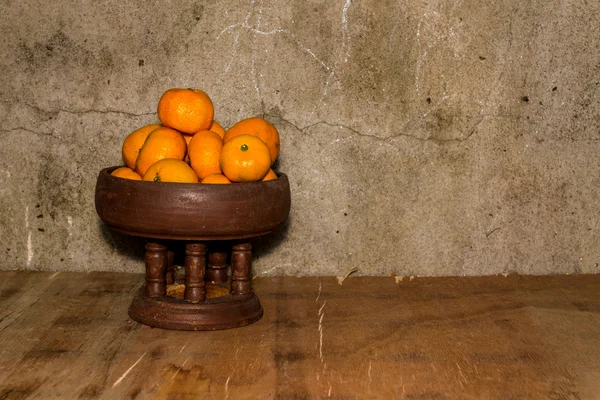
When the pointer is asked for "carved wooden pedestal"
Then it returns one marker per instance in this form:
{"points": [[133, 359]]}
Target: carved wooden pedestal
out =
{"points": [[229, 303], [213, 221]]}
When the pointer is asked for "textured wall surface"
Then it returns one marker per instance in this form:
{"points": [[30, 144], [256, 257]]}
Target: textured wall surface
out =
{"points": [[420, 137]]}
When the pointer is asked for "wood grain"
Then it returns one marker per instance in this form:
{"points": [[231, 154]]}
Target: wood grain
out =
{"points": [[67, 335]]}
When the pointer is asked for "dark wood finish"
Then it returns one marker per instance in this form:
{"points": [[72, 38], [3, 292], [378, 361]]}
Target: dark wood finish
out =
{"points": [[170, 277], [156, 264], [241, 263], [213, 314], [217, 265], [65, 336], [195, 266], [197, 212]]}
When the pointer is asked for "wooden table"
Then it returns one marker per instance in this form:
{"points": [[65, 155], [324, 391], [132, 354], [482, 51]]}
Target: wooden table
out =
{"points": [[67, 335]]}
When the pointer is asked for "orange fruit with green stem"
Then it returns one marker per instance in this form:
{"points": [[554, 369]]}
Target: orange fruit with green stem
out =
{"points": [[170, 170], [262, 129], [245, 158]]}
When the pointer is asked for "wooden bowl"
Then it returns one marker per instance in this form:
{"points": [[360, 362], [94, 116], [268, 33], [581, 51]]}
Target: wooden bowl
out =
{"points": [[186, 211], [195, 213]]}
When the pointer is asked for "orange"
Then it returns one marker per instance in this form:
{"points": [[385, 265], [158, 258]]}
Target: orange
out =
{"points": [[186, 110], [260, 128], [216, 179], [133, 143], [217, 128], [188, 138], [245, 158], [127, 173], [204, 152], [161, 143], [170, 170], [270, 176]]}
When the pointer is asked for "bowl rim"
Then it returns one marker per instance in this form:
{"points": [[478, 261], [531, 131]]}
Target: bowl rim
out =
{"points": [[109, 170]]}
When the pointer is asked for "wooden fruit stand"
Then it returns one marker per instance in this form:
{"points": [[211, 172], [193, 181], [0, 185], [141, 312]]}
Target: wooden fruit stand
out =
{"points": [[211, 219]]}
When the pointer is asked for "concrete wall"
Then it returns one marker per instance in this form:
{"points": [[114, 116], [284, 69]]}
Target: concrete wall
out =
{"points": [[420, 137]]}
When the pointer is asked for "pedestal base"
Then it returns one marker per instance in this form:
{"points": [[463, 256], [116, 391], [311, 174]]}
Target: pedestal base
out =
{"points": [[224, 312]]}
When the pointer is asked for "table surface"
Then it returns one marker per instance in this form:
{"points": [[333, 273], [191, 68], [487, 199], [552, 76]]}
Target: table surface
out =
{"points": [[67, 335]]}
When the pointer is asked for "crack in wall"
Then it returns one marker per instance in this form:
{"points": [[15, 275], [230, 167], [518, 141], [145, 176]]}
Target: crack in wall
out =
{"points": [[20, 128], [78, 112], [384, 139]]}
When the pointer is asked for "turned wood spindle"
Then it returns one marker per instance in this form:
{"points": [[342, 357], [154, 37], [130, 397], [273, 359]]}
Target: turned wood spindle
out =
{"points": [[241, 262], [217, 267], [156, 264], [170, 267], [195, 265]]}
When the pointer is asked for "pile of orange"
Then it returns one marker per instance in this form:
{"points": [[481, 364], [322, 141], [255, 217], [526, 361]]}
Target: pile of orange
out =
{"points": [[189, 146]]}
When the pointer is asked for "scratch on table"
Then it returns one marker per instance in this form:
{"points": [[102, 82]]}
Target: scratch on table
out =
{"points": [[321, 337], [128, 371], [369, 374], [186, 343], [51, 277], [319, 293], [460, 372], [179, 369], [321, 315]]}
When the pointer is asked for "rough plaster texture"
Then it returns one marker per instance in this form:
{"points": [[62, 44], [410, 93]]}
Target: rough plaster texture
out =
{"points": [[420, 137]]}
